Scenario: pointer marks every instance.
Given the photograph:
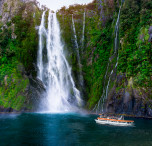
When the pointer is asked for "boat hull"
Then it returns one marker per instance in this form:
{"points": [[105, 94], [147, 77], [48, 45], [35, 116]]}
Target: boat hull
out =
{"points": [[113, 123]]}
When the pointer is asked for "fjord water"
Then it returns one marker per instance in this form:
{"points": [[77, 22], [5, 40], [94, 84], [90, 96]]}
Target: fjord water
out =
{"points": [[54, 71], [70, 129]]}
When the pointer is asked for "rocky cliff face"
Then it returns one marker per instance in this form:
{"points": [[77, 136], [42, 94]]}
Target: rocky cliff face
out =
{"points": [[121, 80], [106, 9], [20, 89], [127, 82], [125, 98], [131, 89], [8, 9]]}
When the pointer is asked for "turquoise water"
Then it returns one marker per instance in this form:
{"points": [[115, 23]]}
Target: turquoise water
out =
{"points": [[70, 129]]}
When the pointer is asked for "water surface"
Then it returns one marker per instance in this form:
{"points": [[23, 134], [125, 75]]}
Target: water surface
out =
{"points": [[70, 129]]}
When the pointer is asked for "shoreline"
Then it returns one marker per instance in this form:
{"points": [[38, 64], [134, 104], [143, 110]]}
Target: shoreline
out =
{"points": [[125, 115]]}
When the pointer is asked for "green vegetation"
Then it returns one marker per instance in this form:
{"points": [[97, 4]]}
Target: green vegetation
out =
{"points": [[98, 51], [19, 43], [18, 47], [136, 51], [27, 38], [13, 87], [98, 45]]}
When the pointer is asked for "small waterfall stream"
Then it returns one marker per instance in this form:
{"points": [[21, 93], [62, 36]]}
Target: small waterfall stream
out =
{"points": [[83, 30], [75, 37], [78, 54], [117, 32], [99, 107], [61, 93]]}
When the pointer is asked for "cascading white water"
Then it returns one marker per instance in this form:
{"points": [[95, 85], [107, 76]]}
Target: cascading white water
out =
{"points": [[42, 31], [117, 32], [61, 92], [78, 54], [75, 36], [99, 107], [83, 30]]}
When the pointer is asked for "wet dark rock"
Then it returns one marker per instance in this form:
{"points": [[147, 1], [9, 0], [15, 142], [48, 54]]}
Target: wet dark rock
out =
{"points": [[106, 9], [128, 100], [1, 109], [35, 91], [25, 109], [121, 79], [149, 112], [37, 84], [150, 34], [7, 110], [110, 102]]}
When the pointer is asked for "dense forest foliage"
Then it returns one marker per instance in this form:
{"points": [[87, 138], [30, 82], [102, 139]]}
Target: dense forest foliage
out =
{"points": [[18, 47], [136, 47]]}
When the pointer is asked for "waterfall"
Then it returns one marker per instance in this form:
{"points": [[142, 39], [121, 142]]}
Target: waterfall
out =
{"points": [[117, 32], [78, 54], [99, 107], [75, 36], [83, 30], [61, 93], [42, 31]]}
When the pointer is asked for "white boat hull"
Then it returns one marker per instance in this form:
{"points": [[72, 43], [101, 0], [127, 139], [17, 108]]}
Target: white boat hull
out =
{"points": [[113, 123]]}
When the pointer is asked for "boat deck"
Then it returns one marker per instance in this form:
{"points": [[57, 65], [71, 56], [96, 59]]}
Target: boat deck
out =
{"points": [[125, 121]]}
